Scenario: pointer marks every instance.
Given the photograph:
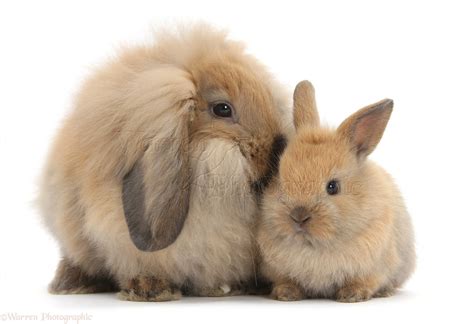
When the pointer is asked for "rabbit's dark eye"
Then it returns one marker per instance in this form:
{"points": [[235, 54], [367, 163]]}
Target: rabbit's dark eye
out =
{"points": [[332, 187], [222, 109]]}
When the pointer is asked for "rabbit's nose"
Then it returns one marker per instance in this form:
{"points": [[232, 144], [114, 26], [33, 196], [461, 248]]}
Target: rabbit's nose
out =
{"points": [[300, 215]]}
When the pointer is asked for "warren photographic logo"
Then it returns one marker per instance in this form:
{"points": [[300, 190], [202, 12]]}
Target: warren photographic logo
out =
{"points": [[46, 317]]}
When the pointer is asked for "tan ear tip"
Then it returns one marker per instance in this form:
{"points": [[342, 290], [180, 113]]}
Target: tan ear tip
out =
{"points": [[304, 87], [305, 83], [388, 106], [384, 106], [387, 103]]}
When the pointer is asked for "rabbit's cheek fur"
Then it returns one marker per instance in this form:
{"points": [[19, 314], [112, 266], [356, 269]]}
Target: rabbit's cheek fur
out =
{"points": [[215, 245], [262, 152], [270, 166], [322, 226]]}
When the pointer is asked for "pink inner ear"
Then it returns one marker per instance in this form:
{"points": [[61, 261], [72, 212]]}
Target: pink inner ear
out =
{"points": [[367, 132]]}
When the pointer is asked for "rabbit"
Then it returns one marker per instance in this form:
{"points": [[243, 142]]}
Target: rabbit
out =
{"points": [[333, 223], [152, 184]]}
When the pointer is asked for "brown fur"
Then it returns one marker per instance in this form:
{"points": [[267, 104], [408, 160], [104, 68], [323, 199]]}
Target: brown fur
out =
{"points": [[71, 279], [352, 246], [184, 212], [143, 288]]}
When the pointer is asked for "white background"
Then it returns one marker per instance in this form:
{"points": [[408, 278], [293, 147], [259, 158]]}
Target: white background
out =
{"points": [[356, 52]]}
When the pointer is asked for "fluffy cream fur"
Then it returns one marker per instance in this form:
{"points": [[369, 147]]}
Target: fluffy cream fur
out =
{"points": [[156, 99]]}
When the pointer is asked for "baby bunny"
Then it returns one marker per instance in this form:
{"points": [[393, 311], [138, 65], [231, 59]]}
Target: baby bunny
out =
{"points": [[152, 183], [334, 224]]}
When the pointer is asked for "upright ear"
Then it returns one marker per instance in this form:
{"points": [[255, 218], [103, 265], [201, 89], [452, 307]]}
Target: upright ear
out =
{"points": [[304, 103], [155, 192], [365, 128]]}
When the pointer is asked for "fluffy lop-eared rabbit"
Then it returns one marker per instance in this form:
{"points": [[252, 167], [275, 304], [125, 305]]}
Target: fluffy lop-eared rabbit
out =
{"points": [[153, 181], [334, 224]]}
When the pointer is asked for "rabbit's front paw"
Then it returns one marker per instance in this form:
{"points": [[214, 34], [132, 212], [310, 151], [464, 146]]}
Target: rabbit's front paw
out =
{"points": [[353, 295], [287, 292], [357, 290], [386, 291], [143, 288]]}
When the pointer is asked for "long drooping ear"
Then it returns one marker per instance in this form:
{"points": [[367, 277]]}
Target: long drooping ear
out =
{"points": [[304, 105], [365, 128], [155, 192]]}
